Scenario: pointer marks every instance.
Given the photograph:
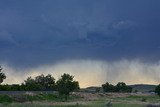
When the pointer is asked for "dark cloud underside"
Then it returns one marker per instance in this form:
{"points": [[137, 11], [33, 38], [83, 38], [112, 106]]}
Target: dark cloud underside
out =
{"points": [[46, 31]]}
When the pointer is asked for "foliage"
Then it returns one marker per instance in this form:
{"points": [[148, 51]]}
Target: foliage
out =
{"points": [[5, 99], [157, 90], [2, 75], [31, 85], [13, 87], [66, 84], [44, 83], [108, 87], [41, 82], [120, 87]]}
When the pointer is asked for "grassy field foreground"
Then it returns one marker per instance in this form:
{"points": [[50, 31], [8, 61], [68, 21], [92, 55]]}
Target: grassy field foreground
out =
{"points": [[79, 100]]}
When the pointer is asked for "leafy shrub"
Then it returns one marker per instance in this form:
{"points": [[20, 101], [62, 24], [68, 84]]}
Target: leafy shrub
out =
{"points": [[157, 90]]}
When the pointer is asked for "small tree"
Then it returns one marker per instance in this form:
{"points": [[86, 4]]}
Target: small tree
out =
{"points": [[50, 82], [66, 84], [40, 82], [108, 87], [2, 75], [157, 90], [122, 87], [31, 85], [46, 82]]}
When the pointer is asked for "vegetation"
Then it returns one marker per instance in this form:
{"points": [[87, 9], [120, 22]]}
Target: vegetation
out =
{"points": [[120, 87], [108, 87], [13, 87], [5, 98], [2, 75], [39, 83], [157, 90], [66, 84], [19, 98], [54, 100]]}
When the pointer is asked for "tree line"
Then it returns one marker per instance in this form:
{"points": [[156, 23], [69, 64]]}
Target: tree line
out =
{"points": [[120, 87], [64, 85]]}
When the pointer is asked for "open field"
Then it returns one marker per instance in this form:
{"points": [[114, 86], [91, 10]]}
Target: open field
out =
{"points": [[79, 100]]}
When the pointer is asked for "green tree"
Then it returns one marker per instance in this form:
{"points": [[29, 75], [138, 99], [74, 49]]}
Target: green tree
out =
{"points": [[50, 82], [41, 82], [66, 84], [108, 87], [2, 75], [157, 90], [31, 85], [122, 87], [46, 82]]}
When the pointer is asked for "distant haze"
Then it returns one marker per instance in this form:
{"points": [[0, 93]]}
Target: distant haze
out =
{"points": [[93, 73]]}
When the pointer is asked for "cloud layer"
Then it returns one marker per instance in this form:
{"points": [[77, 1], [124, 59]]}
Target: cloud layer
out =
{"points": [[34, 33], [86, 37]]}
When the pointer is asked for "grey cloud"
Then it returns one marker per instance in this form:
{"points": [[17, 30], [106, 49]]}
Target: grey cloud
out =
{"points": [[124, 25], [49, 31], [6, 38]]}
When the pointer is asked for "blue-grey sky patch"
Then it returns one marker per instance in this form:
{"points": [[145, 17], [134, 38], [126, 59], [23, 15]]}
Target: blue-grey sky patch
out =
{"points": [[38, 32]]}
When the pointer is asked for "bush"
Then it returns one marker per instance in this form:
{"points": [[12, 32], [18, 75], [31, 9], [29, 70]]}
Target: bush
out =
{"points": [[5, 99], [39, 83], [157, 90], [66, 84], [120, 87], [108, 87], [2, 75]]}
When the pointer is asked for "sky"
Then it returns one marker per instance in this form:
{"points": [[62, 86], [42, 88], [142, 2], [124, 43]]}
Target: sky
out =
{"points": [[95, 40]]}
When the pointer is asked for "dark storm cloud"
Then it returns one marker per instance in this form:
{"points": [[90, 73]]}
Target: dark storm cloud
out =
{"points": [[45, 31]]}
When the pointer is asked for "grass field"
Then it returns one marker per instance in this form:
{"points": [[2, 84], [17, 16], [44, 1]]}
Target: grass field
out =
{"points": [[78, 100]]}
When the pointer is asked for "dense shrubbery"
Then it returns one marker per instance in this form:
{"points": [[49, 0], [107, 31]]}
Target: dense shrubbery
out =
{"points": [[157, 90], [108, 87], [66, 84], [13, 87], [2, 75], [120, 87], [41, 82]]}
